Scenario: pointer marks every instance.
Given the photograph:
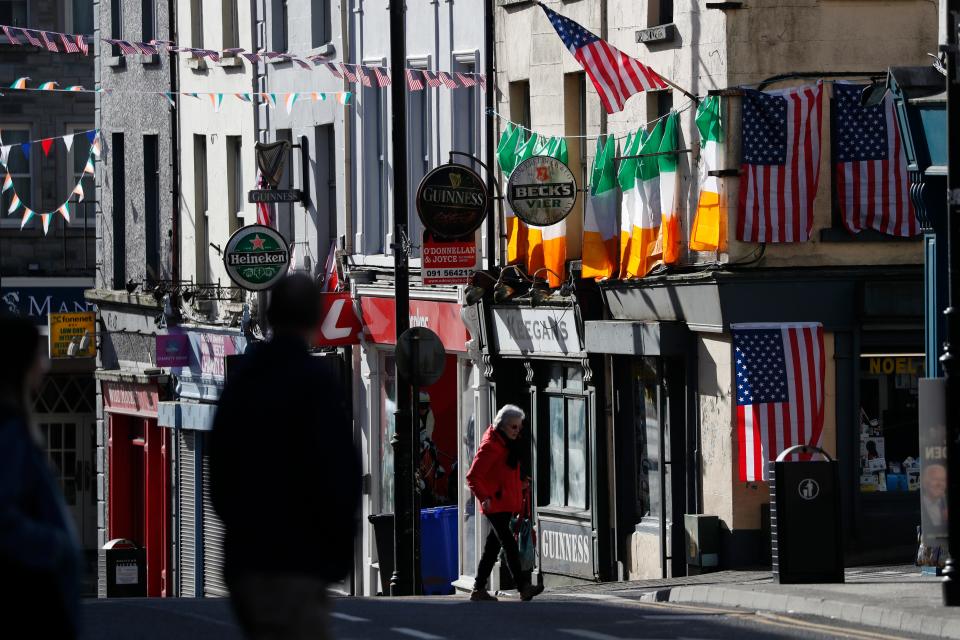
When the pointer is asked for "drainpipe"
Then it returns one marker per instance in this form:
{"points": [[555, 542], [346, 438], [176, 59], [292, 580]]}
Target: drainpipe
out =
{"points": [[175, 253]]}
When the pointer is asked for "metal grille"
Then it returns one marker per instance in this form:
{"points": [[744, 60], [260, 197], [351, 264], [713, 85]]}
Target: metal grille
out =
{"points": [[213, 583], [66, 394], [187, 564]]}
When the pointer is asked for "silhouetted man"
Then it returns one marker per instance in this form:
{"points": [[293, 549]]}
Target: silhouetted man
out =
{"points": [[286, 476]]}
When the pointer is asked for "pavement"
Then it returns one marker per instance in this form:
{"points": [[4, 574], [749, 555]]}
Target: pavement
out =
{"points": [[897, 598]]}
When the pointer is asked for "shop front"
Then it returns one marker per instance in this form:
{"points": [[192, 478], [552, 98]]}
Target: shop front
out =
{"points": [[197, 359], [540, 364], [138, 457], [446, 420]]}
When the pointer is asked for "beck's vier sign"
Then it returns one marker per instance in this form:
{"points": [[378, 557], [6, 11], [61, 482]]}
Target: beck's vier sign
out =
{"points": [[256, 257], [542, 191]]}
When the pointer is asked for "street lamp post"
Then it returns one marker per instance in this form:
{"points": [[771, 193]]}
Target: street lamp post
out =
{"points": [[404, 579], [951, 357]]}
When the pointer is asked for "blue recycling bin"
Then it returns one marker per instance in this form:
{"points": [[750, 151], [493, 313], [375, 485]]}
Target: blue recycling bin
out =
{"points": [[438, 550]]}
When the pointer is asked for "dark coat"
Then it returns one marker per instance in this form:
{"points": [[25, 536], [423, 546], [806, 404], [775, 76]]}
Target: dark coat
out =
{"points": [[285, 471], [40, 559], [492, 477]]}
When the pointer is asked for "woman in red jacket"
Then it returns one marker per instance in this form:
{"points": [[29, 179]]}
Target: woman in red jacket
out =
{"points": [[494, 478]]}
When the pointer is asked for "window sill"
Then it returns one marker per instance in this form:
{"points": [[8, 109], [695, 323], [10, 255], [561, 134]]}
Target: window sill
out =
{"points": [[197, 64], [116, 62], [281, 62], [230, 61], [564, 512], [657, 35], [327, 50], [867, 235], [149, 60]]}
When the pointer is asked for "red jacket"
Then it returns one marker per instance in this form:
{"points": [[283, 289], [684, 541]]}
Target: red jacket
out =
{"points": [[491, 477]]}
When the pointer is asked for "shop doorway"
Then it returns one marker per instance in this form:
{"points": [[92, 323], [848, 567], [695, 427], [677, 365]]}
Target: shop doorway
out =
{"points": [[70, 441]]}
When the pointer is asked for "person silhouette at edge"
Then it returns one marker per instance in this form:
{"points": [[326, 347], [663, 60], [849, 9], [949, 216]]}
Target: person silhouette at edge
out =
{"points": [[40, 559], [285, 476]]}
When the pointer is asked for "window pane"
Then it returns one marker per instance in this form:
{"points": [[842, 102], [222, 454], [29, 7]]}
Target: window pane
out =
{"points": [[577, 453], [557, 462], [555, 376], [16, 161], [575, 378], [83, 16], [648, 436], [469, 449]]}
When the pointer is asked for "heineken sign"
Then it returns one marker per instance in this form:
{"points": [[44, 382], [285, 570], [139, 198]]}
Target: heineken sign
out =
{"points": [[256, 257], [452, 201], [542, 191]]}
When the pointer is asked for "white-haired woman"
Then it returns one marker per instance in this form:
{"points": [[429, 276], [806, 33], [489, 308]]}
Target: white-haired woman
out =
{"points": [[494, 478]]}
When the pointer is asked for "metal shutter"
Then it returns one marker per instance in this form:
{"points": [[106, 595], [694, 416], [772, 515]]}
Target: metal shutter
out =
{"points": [[213, 583], [187, 563]]}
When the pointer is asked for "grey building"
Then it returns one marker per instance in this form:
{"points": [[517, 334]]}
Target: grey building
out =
{"points": [[46, 273], [136, 266]]}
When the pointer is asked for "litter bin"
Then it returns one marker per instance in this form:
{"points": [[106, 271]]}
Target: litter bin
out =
{"points": [[383, 535], [438, 550], [126, 568], [805, 537]]}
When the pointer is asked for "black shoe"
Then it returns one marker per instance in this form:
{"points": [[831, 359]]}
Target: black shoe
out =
{"points": [[481, 595], [528, 592]]}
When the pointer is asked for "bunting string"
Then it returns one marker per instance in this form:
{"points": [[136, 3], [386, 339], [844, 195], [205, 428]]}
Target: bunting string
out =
{"points": [[365, 75], [28, 214]]}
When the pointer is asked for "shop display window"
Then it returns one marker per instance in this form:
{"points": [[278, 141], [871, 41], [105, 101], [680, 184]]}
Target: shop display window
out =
{"points": [[567, 431], [889, 422]]}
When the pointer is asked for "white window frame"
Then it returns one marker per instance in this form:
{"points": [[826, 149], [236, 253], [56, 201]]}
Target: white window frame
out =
{"points": [[89, 195], [235, 180], [414, 226], [230, 23], [13, 221]]}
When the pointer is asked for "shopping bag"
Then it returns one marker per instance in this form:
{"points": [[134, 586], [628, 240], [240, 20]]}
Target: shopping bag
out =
{"points": [[522, 529]]}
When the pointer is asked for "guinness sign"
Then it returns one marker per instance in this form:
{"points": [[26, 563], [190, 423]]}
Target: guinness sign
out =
{"points": [[256, 257], [542, 191], [452, 201]]}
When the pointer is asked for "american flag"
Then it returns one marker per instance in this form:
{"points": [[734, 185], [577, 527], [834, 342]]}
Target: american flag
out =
{"points": [[361, 72], [616, 75], [432, 79], [870, 165], [347, 73], [779, 390], [447, 80], [781, 164], [413, 83], [382, 75], [126, 48], [68, 45], [82, 44], [482, 79], [48, 43], [332, 68], [146, 48], [10, 37], [30, 38], [264, 215], [466, 79]]}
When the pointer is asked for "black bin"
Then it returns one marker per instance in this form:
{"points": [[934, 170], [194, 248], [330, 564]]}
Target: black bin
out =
{"points": [[126, 565], [805, 537], [383, 535]]}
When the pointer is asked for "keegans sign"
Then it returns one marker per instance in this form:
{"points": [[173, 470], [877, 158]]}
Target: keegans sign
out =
{"points": [[544, 331]]}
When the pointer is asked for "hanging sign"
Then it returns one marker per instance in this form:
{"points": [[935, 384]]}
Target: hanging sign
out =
{"points": [[256, 257], [542, 191], [274, 195], [452, 201], [67, 328], [448, 261], [339, 324]]}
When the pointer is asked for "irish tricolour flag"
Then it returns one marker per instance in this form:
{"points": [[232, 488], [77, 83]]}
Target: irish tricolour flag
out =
{"points": [[600, 217], [669, 191], [547, 246], [709, 226], [645, 247]]}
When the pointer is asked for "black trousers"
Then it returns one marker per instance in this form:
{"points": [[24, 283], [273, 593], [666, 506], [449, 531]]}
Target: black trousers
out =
{"points": [[499, 536]]}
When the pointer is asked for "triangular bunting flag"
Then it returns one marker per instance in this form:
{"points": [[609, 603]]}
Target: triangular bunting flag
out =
{"points": [[45, 144], [88, 168], [25, 147], [273, 99], [91, 135], [27, 215], [343, 97], [19, 83], [14, 203], [169, 96], [5, 153], [48, 86], [290, 99], [68, 141], [64, 211], [216, 99], [95, 147], [242, 97], [7, 183], [45, 218], [75, 87], [78, 191]]}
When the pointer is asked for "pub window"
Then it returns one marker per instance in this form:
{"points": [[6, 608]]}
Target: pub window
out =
{"points": [[15, 12], [18, 167], [659, 12], [567, 436], [889, 422]]}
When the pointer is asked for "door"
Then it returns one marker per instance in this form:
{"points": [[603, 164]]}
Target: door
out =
{"points": [[69, 440]]}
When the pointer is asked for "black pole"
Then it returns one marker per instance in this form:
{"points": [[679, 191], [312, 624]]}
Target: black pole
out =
{"points": [[489, 121], [402, 581], [950, 358]]}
